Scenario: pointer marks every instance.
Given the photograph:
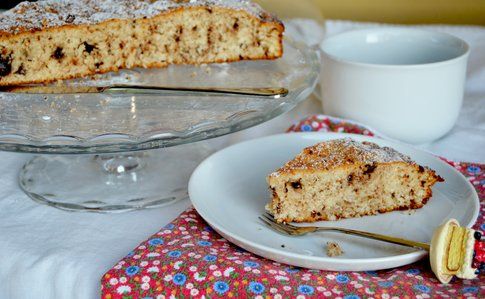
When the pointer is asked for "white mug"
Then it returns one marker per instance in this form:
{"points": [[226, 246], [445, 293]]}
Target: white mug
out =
{"points": [[406, 83]]}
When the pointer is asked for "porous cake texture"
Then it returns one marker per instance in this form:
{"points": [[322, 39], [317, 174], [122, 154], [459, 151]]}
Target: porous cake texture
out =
{"points": [[62, 39], [344, 178]]}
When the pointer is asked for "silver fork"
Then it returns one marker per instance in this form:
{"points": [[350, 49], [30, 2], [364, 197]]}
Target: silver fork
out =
{"points": [[292, 230]]}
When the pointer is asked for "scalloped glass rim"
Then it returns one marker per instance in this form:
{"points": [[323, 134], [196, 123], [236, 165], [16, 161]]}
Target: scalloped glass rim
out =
{"points": [[100, 123]]}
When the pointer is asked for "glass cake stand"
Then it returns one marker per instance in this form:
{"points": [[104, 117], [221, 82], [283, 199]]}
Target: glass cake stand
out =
{"points": [[96, 151]]}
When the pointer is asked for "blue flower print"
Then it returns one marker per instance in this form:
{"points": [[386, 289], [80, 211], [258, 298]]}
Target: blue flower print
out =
{"points": [[210, 258], [351, 296], [208, 229], [342, 278], [179, 279], [482, 227], [155, 241], [385, 284], [470, 290], [256, 287], [306, 289], [174, 253], [251, 264], [132, 253], [292, 270], [422, 288], [373, 273], [169, 226], [306, 128], [132, 270], [413, 271], [220, 287], [473, 169], [204, 243]]}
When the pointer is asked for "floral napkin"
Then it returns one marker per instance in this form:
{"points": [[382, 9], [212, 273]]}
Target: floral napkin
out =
{"points": [[187, 259]]}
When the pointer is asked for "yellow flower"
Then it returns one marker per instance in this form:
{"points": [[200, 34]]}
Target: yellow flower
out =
{"points": [[108, 296], [136, 279]]}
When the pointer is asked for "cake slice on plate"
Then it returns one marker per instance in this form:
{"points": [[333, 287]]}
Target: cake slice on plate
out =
{"points": [[344, 178], [50, 40]]}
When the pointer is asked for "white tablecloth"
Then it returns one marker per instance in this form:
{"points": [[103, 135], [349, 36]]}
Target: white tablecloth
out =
{"points": [[48, 253]]}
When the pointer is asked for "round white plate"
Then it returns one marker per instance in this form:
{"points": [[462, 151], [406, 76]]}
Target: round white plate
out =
{"points": [[229, 191]]}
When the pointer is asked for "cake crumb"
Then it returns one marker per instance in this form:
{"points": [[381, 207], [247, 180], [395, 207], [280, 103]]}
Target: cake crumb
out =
{"points": [[409, 212], [334, 249]]}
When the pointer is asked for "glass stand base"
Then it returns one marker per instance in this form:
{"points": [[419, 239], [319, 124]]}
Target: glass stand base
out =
{"points": [[112, 183]]}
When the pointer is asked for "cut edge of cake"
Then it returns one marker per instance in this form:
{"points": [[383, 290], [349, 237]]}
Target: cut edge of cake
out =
{"points": [[344, 178], [183, 33]]}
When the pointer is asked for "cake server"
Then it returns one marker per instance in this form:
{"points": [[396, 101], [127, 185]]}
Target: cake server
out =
{"points": [[272, 92]]}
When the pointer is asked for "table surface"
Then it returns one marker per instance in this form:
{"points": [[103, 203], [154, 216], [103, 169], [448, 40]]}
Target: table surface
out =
{"points": [[48, 253]]}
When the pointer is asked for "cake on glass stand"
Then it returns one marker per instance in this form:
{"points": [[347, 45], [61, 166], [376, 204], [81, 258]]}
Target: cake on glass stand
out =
{"points": [[113, 152]]}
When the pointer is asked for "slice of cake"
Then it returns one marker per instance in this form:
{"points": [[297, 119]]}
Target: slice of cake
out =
{"points": [[344, 178], [51, 39]]}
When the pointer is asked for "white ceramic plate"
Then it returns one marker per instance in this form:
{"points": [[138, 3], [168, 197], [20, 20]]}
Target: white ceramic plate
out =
{"points": [[229, 191]]}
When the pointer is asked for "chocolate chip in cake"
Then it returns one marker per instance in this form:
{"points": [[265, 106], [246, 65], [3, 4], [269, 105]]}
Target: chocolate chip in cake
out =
{"points": [[58, 53], [350, 178], [88, 48], [420, 169], [236, 25], [21, 70], [296, 185], [369, 168], [5, 65]]}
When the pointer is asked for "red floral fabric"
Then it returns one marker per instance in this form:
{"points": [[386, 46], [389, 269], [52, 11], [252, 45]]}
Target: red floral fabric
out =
{"points": [[187, 259]]}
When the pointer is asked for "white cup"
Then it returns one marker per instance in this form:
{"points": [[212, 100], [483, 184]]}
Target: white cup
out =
{"points": [[406, 83]]}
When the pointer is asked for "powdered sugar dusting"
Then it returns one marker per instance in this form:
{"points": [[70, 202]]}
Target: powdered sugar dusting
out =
{"points": [[54, 13], [334, 153]]}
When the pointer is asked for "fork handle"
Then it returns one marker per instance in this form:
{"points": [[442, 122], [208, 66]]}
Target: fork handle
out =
{"points": [[380, 237]]}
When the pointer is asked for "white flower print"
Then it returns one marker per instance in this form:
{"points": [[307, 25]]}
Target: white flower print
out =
{"points": [[182, 228], [185, 233], [271, 271], [189, 286], [387, 296], [167, 231], [330, 276], [137, 256], [255, 271], [287, 288], [247, 269], [156, 263], [177, 264], [300, 297], [168, 277], [279, 277], [193, 268], [321, 289], [305, 278], [161, 297], [142, 247], [238, 262], [123, 279], [228, 271], [117, 267], [153, 269], [145, 278], [191, 254], [273, 290], [113, 281], [327, 293], [123, 289], [172, 297], [205, 237], [336, 291], [144, 264], [197, 256], [194, 292], [197, 277], [258, 297], [358, 286], [153, 254], [186, 238], [281, 272], [212, 267], [145, 286], [278, 296], [217, 273]]}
